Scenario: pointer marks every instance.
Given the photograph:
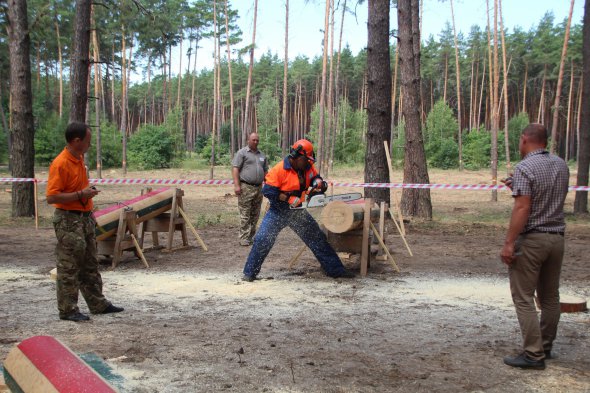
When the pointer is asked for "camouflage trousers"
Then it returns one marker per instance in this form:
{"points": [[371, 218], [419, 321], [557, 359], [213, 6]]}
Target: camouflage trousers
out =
{"points": [[77, 263], [249, 205]]}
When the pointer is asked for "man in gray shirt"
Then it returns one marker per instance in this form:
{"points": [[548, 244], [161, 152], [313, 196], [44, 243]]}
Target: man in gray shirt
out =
{"points": [[249, 167], [534, 245]]}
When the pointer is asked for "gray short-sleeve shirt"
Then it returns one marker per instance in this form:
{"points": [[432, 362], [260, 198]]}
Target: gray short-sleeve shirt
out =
{"points": [[251, 164]]}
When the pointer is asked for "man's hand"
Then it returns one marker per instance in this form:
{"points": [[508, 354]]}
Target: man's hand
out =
{"points": [[90, 192], [507, 181], [238, 189], [507, 254]]}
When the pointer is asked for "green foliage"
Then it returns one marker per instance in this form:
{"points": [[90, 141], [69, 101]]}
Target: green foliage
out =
{"points": [[3, 146], [515, 127], [350, 147], [111, 148], [50, 139], [441, 148], [268, 113], [151, 147], [476, 149], [222, 156], [398, 146]]}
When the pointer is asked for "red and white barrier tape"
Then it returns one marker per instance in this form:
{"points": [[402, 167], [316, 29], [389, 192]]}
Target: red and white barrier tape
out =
{"points": [[165, 182]]}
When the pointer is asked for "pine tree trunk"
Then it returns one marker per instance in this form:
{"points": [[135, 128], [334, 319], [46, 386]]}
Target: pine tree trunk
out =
{"points": [[321, 127], [458, 74], [330, 98], [581, 199], [215, 119], [524, 83], [285, 128], [246, 125], [97, 95], [59, 58], [414, 202], [337, 90], [569, 114], [80, 45], [124, 99], [494, 76], [555, 139], [505, 93], [379, 99], [231, 89], [22, 126]]}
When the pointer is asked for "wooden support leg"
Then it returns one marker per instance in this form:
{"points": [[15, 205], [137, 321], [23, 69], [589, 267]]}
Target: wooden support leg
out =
{"points": [[384, 246], [366, 251], [173, 215], [183, 221], [192, 228], [120, 235], [401, 234]]}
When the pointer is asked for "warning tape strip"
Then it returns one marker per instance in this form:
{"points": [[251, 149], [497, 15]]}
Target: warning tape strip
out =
{"points": [[472, 187]]}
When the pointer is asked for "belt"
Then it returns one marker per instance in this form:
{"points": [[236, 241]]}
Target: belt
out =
{"points": [[77, 212], [547, 232], [250, 184]]}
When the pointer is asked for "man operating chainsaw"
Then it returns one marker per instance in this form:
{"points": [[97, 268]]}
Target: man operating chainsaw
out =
{"points": [[286, 186]]}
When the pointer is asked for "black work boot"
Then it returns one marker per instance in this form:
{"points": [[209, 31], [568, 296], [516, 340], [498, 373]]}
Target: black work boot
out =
{"points": [[523, 361], [112, 309], [75, 317]]}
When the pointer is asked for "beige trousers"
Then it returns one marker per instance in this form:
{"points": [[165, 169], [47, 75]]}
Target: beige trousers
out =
{"points": [[537, 268]]}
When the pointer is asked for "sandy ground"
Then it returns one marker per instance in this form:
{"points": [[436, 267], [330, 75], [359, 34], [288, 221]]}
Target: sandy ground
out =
{"points": [[190, 325]]}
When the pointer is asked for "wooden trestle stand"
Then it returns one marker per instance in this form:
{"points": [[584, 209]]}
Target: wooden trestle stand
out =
{"points": [[349, 227], [148, 210]]}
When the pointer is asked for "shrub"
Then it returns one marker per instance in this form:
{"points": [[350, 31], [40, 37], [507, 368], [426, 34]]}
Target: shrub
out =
{"points": [[476, 149], [151, 147], [441, 149], [110, 147]]}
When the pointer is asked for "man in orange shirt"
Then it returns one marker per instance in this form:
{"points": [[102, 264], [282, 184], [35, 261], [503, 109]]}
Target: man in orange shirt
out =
{"points": [[286, 186], [77, 263]]}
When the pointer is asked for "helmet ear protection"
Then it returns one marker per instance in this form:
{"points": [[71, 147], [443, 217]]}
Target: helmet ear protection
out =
{"points": [[296, 152]]}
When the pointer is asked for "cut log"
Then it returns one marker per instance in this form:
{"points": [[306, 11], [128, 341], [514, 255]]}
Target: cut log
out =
{"points": [[572, 304], [44, 364], [341, 217]]}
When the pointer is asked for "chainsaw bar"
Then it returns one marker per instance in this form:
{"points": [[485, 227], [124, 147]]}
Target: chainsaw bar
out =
{"points": [[322, 200]]}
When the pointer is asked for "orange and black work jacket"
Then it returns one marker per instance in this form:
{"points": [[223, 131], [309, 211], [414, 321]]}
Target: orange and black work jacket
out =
{"points": [[283, 179]]}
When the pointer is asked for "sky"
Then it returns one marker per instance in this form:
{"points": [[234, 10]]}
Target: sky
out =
{"points": [[306, 21]]}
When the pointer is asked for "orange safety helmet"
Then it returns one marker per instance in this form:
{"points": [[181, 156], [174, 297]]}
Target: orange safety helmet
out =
{"points": [[302, 147]]}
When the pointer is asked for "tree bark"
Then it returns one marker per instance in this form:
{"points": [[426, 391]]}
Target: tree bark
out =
{"points": [[321, 127], [97, 95], [505, 92], [458, 74], [415, 202], [124, 100], [231, 89], [22, 128], [581, 200], [80, 61], [285, 138], [246, 126], [379, 99], [554, 137]]}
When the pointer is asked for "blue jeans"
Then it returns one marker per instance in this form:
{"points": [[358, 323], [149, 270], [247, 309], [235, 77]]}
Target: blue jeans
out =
{"points": [[303, 224]]}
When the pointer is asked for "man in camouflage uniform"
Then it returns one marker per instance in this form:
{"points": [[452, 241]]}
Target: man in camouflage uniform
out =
{"points": [[77, 263], [249, 168]]}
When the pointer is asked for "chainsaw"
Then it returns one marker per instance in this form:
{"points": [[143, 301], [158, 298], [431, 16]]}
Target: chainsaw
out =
{"points": [[321, 200]]}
